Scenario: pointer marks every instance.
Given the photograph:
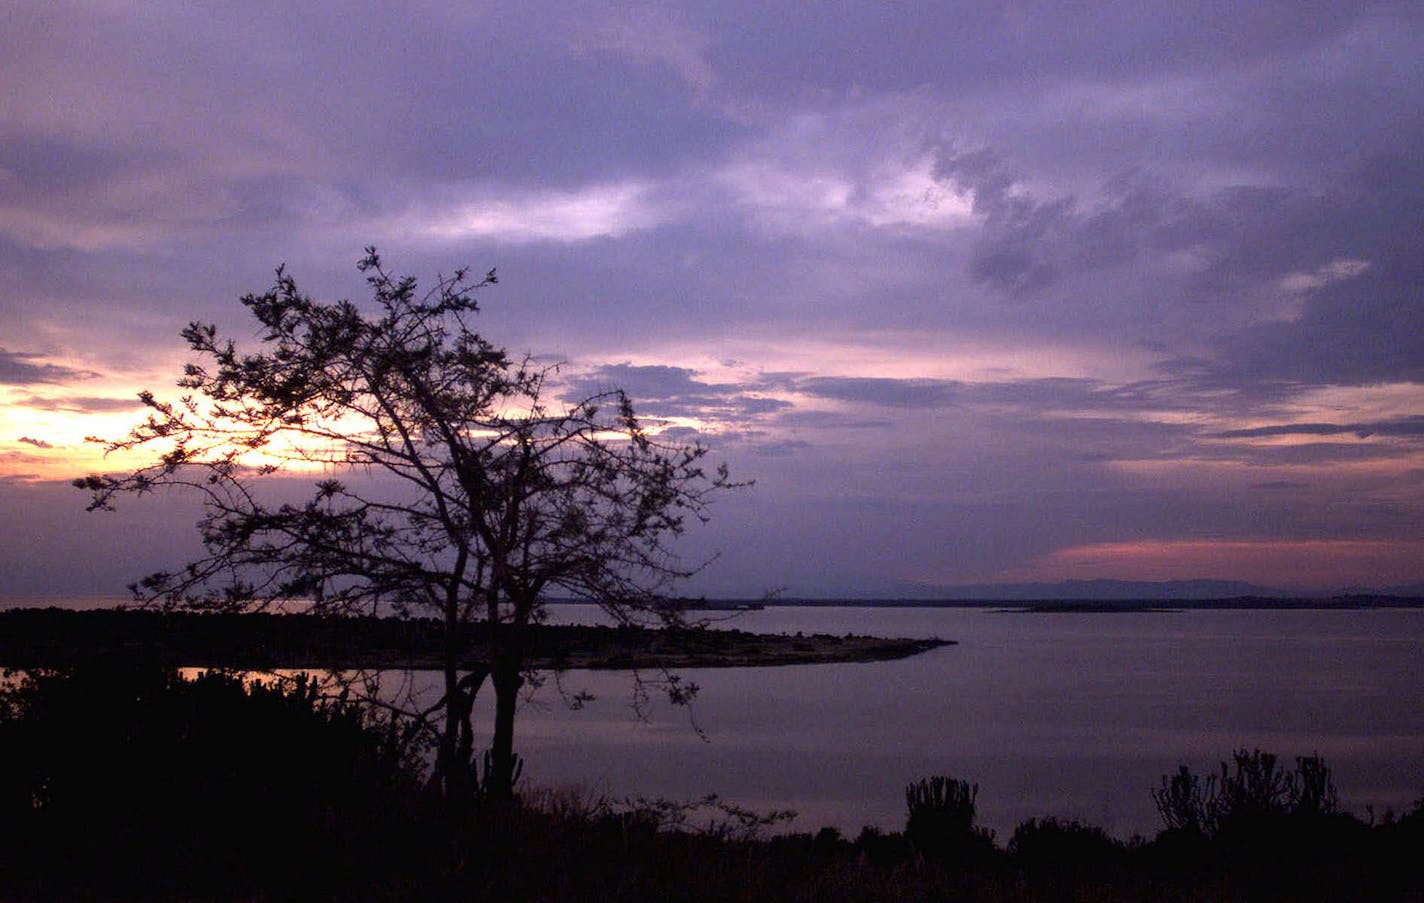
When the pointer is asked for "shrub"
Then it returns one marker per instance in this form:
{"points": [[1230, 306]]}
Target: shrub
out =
{"points": [[1314, 791], [939, 806], [1253, 787], [1056, 855], [1186, 802], [940, 824]]}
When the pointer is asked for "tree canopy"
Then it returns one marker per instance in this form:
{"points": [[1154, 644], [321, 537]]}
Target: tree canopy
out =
{"points": [[449, 480]]}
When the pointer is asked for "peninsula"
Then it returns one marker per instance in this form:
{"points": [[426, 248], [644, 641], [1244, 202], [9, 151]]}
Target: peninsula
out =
{"points": [[52, 637]]}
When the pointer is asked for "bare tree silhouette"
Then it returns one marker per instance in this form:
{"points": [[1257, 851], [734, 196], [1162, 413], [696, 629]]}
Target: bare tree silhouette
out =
{"points": [[452, 483]]}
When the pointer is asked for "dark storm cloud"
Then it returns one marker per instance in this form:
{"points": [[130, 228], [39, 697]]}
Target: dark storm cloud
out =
{"points": [[21, 368]]}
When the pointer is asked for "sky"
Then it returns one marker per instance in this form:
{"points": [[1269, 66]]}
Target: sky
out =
{"points": [[975, 292]]}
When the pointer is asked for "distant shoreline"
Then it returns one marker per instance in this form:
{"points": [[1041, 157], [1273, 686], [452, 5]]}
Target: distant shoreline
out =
{"points": [[54, 637], [1332, 603], [1081, 604]]}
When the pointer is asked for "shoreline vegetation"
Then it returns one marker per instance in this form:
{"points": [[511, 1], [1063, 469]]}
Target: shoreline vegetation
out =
{"points": [[53, 637]]}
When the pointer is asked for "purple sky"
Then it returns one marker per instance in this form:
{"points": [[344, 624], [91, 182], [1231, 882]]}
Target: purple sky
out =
{"points": [[976, 292]]}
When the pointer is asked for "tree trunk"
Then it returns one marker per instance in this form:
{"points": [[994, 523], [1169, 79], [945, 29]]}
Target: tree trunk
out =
{"points": [[499, 780], [465, 748], [446, 768]]}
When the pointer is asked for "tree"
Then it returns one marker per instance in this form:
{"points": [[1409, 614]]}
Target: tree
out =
{"points": [[450, 485]]}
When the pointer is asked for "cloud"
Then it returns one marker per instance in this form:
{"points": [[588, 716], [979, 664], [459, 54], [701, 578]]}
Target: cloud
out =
{"points": [[1273, 289], [665, 391], [21, 458], [1330, 273], [598, 211], [831, 420], [778, 448], [1045, 395], [1312, 563], [791, 197], [20, 368], [900, 393], [1033, 240], [137, 209], [91, 404], [1046, 276], [37, 443], [1281, 485], [642, 381], [645, 33], [1410, 427], [1315, 454]]}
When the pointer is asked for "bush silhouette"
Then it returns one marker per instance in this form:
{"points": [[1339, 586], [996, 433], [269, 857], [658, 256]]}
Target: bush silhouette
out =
{"points": [[1055, 845], [1186, 802], [1273, 830], [940, 823]]}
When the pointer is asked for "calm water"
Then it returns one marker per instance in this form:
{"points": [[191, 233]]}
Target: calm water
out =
{"points": [[1068, 714]]}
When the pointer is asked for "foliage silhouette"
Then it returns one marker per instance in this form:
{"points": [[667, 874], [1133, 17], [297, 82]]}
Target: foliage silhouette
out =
{"points": [[453, 484], [123, 779], [940, 821], [1276, 832], [1059, 855], [1251, 788], [1187, 802], [283, 830]]}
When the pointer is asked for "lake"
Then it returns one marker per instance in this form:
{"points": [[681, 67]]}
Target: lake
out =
{"points": [[1071, 714]]}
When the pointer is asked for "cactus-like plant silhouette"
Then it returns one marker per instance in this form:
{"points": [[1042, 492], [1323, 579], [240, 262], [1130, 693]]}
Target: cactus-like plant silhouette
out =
{"points": [[941, 818]]}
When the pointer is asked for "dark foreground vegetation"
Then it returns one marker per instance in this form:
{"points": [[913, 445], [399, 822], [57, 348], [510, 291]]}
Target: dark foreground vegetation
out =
{"points": [[53, 637], [122, 781]]}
